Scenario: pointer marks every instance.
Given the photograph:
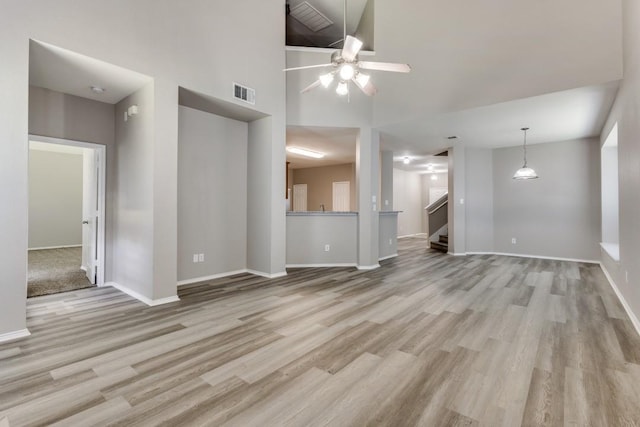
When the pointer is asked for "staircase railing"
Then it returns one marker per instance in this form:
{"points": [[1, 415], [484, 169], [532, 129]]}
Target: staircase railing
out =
{"points": [[437, 214]]}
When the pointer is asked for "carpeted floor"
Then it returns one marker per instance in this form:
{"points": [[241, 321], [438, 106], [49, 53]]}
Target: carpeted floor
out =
{"points": [[55, 270]]}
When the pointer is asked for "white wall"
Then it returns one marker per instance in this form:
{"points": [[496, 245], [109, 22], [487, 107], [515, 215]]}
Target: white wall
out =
{"points": [[165, 42], [557, 215], [55, 199], [212, 194], [440, 183], [407, 197], [626, 110]]}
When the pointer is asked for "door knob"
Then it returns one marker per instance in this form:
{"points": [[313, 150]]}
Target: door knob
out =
{"points": [[85, 222]]}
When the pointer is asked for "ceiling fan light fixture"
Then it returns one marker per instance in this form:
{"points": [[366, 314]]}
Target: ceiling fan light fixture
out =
{"points": [[347, 71], [305, 152], [326, 79], [362, 79], [342, 89], [406, 160], [525, 172]]}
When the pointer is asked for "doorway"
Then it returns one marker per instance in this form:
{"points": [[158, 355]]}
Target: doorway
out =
{"points": [[66, 215]]}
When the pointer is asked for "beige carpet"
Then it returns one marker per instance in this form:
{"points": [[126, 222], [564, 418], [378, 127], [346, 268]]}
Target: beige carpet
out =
{"points": [[55, 270]]}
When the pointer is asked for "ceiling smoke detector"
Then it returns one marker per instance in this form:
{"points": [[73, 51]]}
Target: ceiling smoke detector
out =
{"points": [[97, 89]]}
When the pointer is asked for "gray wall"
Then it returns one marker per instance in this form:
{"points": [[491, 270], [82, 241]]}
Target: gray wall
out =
{"points": [[212, 194], [626, 273], [308, 234], [479, 200], [388, 235], [407, 198], [133, 224], [55, 199], [320, 181], [557, 215]]}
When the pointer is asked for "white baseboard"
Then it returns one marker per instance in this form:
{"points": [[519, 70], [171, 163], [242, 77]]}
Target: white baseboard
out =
{"points": [[368, 267], [387, 257], [211, 277], [623, 301], [10, 336], [148, 301], [344, 264], [267, 275], [55, 247], [457, 253], [541, 257]]}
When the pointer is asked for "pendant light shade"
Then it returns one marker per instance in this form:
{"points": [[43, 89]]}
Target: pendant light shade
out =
{"points": [[525, 172]]}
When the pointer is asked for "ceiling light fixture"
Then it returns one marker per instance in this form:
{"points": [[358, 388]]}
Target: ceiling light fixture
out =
{"points": [[525, 172], [347, 71], [434, 177], [342, 89], [97, 89], [326, 79], [305, 152], [430, 167], [406, 160]]}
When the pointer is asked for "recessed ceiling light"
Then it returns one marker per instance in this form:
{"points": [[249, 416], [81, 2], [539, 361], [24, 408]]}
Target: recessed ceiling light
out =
{"points": [[98, 89], [305, 152]]}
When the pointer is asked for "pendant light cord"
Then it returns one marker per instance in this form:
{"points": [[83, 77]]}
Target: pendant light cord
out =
{"points": [[525, 146]]}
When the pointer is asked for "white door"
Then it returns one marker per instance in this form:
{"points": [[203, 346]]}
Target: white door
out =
{"points": [[300, 197], [91, 212], [342, 196]]}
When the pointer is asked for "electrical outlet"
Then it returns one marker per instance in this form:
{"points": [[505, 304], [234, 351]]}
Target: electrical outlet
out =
{"points": [[391, 241], [195, 257], [327, 248], [200, 257], [386, 203], [513, 240]]}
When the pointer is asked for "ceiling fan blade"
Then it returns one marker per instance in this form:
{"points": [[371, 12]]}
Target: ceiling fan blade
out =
{"points": [[307, 67], [368, 89], [385, 66], [311, 86], [351, 48]]}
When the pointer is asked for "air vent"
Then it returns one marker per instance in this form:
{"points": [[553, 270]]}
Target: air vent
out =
{"points": [[244, 93], [310, 17]]}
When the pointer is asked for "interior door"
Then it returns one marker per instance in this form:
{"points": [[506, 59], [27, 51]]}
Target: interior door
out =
{"points": [[90, 214], [300, 197], [342, 196]]}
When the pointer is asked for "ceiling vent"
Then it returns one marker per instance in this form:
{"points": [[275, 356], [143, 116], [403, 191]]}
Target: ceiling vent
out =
{"points": [[310, 17], [244, 93]]}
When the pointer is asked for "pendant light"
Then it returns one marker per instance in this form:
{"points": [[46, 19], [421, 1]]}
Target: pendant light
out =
{"points": [[525, 172]]}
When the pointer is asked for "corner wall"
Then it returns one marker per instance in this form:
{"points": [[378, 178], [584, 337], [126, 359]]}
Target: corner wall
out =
{"points": [[626, 112]]}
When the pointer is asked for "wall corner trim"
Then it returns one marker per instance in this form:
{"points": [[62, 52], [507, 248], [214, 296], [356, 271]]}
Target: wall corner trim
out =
{"points": [[10, 336], [368, 267], [634, 319], [267, 275], [387, 257], [148, 301], [211, 277]]}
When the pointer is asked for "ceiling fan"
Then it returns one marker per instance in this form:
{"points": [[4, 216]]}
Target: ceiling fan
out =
{"points": [[346, 66]]}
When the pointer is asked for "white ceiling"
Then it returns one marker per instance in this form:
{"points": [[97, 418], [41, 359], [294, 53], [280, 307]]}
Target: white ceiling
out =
{"points": [[338, 144], [69, 72], [560, 116]]}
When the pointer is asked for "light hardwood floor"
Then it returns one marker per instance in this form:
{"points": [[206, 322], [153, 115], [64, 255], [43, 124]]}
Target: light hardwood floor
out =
{"points": [[427, 339]]}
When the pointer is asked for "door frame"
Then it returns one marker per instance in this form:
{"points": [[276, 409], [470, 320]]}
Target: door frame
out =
{"points": [[102, 175]]}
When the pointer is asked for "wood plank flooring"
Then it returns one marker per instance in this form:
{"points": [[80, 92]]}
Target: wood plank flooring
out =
{"points": [[427, 339]]}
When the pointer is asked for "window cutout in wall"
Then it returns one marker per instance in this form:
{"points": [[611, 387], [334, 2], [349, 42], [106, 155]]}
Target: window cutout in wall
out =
{"points": [[319, 23], [609, 190]]}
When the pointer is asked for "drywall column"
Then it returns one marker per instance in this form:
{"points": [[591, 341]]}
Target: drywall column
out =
{"points": [[386, 180], [266, 220], [456, 206], [165, 191], [14, 86], [367, 169]]}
